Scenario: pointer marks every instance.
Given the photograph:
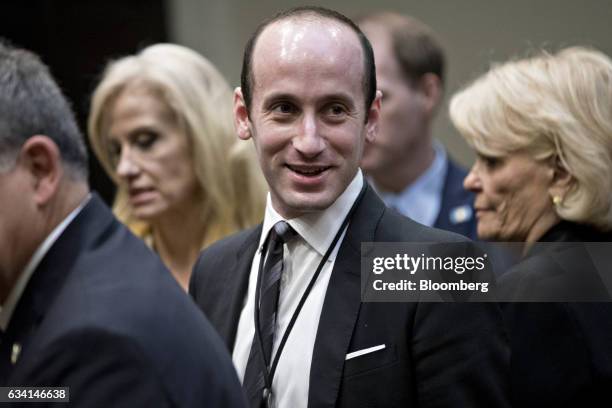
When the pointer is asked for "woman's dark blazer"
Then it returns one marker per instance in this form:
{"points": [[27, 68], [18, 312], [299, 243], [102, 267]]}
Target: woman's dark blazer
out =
{"points": [[561, 351]]}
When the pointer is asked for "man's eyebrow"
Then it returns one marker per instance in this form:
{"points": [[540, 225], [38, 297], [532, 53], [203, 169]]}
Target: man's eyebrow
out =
{"points": [[279, 96], [339, 96], [326, 98]]}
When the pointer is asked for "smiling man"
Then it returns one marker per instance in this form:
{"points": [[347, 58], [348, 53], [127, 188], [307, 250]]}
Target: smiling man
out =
{"points": [[285, 296]]}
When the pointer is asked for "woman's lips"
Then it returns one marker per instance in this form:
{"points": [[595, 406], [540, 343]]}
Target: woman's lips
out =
{"points": [[140, 196], [481, 211]]}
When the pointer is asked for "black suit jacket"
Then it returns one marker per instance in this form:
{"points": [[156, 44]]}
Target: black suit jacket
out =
{"points": [[103, 316], [561, 352], [436, 355], [454, 198]]}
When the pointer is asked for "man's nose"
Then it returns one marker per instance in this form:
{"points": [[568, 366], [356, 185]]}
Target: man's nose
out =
{"points": [[309, 141], [472, 181]]}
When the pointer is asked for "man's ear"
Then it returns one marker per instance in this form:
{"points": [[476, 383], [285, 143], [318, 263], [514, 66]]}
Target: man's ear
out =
{"points": [[373, 118], [430, 87], [242, 122], [40, 157]]}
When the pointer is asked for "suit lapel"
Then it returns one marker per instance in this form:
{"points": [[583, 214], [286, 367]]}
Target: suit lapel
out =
{"points": [[341, 305], [236, 285]]}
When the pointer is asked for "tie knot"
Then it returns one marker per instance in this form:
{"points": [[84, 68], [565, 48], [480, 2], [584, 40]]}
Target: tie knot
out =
{"points": [[284, 231]]}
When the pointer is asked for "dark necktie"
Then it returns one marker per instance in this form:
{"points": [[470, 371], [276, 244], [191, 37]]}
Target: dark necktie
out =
{"points": [[254, 382]]}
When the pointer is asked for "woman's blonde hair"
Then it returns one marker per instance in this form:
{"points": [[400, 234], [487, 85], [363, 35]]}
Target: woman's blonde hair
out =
{"points": [[232, 187], [556, 107]]}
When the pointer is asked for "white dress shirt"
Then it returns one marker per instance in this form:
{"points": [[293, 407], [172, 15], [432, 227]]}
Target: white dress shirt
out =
{"points": [[11, 301], [302, 255]]}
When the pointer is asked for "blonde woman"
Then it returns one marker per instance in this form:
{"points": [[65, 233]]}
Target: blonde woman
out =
{"points": [[542, 129], [161, 125]]}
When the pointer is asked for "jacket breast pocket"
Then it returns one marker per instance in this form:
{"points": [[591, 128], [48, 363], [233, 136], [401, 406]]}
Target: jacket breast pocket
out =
{"points": [[377, 357]]}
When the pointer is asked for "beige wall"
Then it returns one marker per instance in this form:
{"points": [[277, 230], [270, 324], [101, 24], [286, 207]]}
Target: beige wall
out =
{"points": [[474, 33]]}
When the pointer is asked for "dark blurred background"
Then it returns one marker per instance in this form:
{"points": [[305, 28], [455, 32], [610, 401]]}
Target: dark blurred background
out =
{"points": [[76, 38]]}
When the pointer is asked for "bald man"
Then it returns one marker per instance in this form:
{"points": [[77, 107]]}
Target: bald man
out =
{"points": [[285, 296]]}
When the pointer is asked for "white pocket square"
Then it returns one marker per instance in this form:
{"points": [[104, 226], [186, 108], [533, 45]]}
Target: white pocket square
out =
{"points": [[364, 351]]}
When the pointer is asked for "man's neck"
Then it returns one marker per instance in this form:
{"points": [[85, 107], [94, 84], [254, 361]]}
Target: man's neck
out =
{"points": [[396, 178], [70, 195]]}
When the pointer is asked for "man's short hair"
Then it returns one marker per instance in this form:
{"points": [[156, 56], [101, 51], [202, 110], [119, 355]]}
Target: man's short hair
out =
{"points": [[247, 81], [31, 104], [415, 46]]}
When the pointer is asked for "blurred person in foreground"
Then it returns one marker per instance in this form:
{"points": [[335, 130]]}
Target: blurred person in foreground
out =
{"points": [[410, 170], [542, 130], [85, 304], [161, 125], [286, 295]]}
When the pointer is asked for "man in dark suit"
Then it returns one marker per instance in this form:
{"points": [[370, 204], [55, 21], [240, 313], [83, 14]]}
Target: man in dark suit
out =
{"points": [[285, 296], [412, 172], [85, 304]]}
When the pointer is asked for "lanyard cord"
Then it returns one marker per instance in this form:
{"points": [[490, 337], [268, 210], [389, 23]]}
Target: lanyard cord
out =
{"points": [[269, 375]]}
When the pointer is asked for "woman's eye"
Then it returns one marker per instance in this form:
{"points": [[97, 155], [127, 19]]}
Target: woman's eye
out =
{"points": [[145, 140], [114, 151], [489, 161]]}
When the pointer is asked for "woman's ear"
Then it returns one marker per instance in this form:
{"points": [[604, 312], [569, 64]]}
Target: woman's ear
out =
{"points": [[561, 181]]}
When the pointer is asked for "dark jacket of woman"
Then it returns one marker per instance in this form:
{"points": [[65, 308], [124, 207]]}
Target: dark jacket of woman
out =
{"points": [[561, 351]]}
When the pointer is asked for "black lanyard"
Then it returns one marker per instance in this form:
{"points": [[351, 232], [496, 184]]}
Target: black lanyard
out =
{"points": [[270, 370]]}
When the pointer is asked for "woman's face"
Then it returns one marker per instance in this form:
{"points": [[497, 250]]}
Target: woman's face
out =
{"points": [[151, 154], [512, 202]]}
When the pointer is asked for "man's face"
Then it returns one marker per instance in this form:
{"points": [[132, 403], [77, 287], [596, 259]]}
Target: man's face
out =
{"points": [[18, 225], [307, 117], [404, 116]]}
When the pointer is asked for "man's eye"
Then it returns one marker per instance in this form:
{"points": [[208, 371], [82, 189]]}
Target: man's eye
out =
{"points": [[337, 110], [283, 108]]}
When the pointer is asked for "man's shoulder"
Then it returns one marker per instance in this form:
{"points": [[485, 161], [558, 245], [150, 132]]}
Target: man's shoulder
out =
{"points": [[226, 250], [229, 246], [160, 346], [221, 257], [117, 294], [139, 299], [394, 227], [115, 283]]}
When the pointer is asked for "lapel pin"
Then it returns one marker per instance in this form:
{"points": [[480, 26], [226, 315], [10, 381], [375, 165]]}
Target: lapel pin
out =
{"points": [[461, 214], [16, 350]]}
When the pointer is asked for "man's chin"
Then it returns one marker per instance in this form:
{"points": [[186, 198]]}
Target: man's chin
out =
{"points": [[303, 203]]}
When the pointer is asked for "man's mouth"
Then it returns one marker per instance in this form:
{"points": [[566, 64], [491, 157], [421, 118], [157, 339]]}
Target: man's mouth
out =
{"points": [[308, 171]]}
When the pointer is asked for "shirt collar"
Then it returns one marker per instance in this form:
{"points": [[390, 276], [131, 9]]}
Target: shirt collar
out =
{"points": [[318, 228], [11, 301]]}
